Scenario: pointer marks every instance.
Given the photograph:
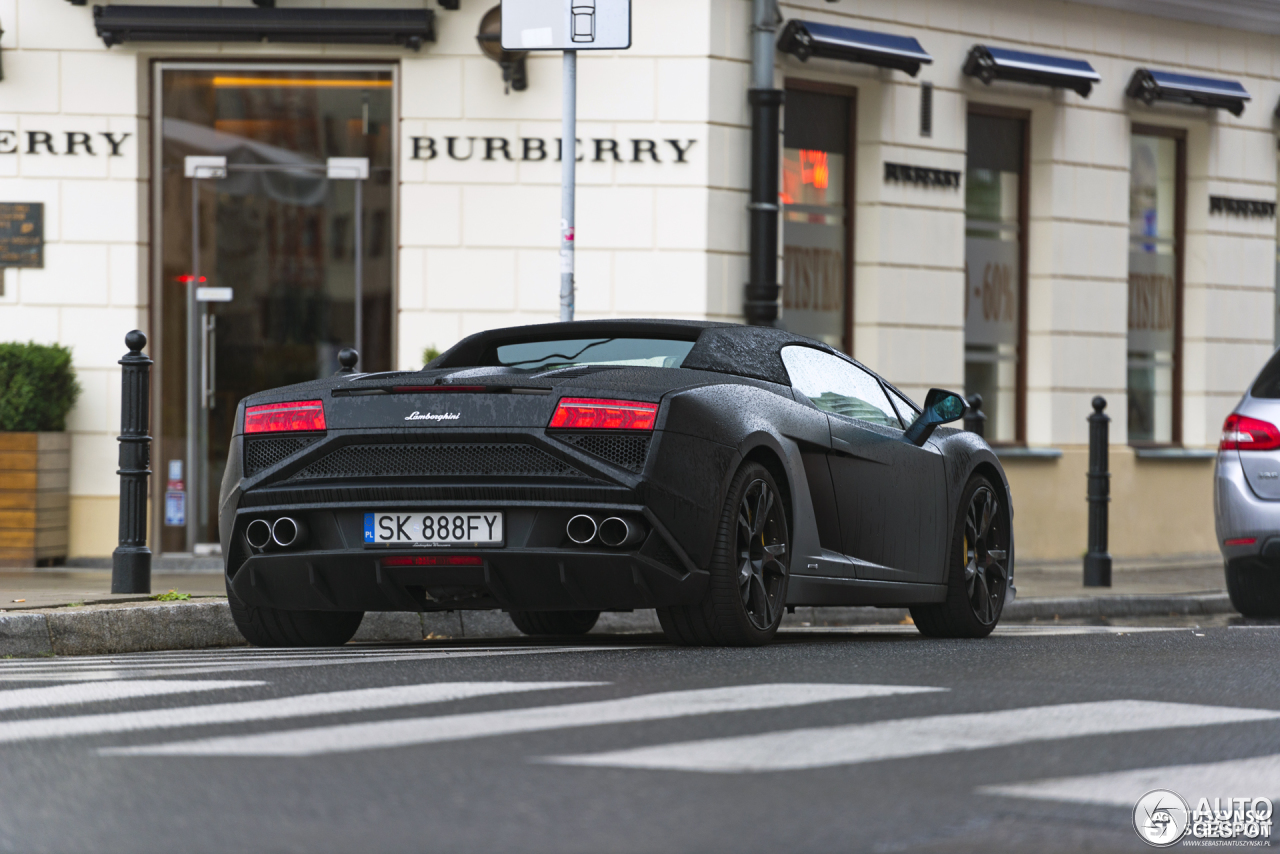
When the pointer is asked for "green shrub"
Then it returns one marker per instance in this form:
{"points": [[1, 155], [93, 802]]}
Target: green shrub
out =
{"points": [[37, 387], [429, 355]]}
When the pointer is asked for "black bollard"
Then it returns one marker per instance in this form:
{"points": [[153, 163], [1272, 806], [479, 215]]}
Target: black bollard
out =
{"points": [[131, 561], [1097, 562], [348, 358], [975, 420]]}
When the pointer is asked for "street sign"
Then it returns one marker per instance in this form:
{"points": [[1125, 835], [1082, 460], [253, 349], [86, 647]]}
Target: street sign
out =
{"points": [[566, 24], [569, 26], [214, 295]]}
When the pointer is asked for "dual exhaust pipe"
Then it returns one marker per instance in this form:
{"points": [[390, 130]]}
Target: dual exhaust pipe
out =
{"points": [[616, 532], [282, 533]]}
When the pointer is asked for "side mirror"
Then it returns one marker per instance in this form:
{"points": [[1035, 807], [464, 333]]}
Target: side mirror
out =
{"points": [[940, 407]]}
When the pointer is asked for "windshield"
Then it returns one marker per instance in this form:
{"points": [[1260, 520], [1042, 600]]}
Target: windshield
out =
{"points": [[538, 356], [1267, 385]]}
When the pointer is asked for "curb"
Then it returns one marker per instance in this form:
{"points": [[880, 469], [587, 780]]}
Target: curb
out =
{"points": [[207, 624]]}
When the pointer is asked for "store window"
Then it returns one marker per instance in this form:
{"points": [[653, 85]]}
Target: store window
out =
{"points": [[995, 264], [1276, 310], [1155, 285], [817, 236], [279, 233]]}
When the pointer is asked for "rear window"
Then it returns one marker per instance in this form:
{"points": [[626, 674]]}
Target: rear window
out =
{"points": [[538, 356], [1267, 384]]}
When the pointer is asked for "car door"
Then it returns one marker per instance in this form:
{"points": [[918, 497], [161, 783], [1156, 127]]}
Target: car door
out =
{"points": [[890, 494]]}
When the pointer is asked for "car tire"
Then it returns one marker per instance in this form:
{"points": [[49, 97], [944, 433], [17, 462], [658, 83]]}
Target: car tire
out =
{"points": [[978, 572], [747, 594], [538, 623], [273, 627], [1254, 587]]}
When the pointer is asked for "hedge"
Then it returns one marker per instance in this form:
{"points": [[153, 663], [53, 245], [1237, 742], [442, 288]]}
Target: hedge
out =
{"points": [[37, 387]]}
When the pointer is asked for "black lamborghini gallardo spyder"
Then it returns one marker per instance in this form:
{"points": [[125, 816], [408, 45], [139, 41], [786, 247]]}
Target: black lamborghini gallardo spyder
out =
{"points": [[715, 472]]}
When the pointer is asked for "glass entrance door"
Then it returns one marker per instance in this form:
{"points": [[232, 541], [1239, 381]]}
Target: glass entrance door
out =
{"points": [[276, 231]]}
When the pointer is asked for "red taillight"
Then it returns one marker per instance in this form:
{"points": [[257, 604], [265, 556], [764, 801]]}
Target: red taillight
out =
{"points": [[434, 560], [579, 413], [1240, 541], [1242, 433], [282, 417]]}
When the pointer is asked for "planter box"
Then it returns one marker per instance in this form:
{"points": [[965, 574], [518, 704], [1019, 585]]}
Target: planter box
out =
{"points": [[35, 500]]}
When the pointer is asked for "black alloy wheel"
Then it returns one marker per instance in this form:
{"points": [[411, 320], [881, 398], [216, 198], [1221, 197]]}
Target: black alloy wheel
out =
{"points": [[749, 570], [979, 572], [762, 548]]}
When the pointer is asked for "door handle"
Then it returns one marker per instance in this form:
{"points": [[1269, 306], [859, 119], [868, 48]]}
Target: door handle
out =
{"points": [[209, 376], [841, 445]]}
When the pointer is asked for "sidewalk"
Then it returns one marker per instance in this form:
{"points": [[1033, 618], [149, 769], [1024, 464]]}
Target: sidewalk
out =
{"points": [[72, 611]]}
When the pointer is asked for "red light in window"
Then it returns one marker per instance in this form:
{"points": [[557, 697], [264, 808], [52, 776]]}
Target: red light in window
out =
{"points": [[814, 168], [1242, 433], [434, 560], [284, 417], [577, 413], [1241, 541], [186, 280]]}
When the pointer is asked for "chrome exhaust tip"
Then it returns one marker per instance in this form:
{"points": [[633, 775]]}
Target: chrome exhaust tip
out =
{"points": [[287, 532], [258, 533], [617, 532], [581, 529]]}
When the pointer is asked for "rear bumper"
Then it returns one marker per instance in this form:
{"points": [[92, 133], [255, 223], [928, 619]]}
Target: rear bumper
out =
{"points": [[537, 568], [520, 579], [1239, 514]]}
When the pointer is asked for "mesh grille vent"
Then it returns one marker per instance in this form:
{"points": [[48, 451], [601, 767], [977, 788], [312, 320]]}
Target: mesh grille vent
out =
{"points": [[489, 460], [623, 450], [262, 454], [657, 548]]}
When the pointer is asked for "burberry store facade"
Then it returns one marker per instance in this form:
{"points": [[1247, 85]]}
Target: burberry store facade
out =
{"points": [[1033, 201]]}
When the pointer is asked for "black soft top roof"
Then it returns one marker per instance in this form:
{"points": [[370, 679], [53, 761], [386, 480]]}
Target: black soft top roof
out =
{"points": [[727, 348]]}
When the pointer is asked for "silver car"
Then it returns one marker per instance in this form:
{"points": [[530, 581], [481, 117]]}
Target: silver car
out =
{"points": [[1246, 497]]}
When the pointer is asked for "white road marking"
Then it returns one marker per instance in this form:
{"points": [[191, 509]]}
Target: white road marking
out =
{"points": [[1256, 777], [99, 692], [127, 667], [820, 747], [303, 705], [1001, 631], [399, 733]]}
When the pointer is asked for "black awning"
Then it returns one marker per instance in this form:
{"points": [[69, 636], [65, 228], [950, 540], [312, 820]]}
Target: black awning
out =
{"points": [[997, 63], [1149, 86], [804, 39], [407, 27]]}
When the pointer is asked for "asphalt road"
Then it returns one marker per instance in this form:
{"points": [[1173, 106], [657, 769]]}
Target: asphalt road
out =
{"points": [[869, 739]]}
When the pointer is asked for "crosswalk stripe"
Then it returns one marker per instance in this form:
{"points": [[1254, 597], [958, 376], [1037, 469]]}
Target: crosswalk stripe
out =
{"points": [[73, 672], [426, 730], [99, 692], [1258, 776], [304, 705], [850, 744]]}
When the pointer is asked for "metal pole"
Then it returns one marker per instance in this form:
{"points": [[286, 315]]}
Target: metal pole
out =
{"points": [[200, 474], [360, 267], [194, 374], [1097, 562], [760, 303], [131, 561], [568, 179]]}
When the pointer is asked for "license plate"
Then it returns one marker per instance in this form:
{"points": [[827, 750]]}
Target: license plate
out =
{"points": [[437, 528]]}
